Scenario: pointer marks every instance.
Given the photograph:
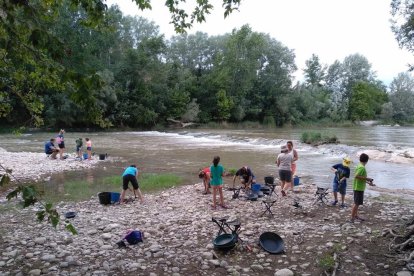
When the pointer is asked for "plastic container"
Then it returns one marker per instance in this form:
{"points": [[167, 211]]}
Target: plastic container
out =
{"points": [[104, 198], [85, 156], [296, 181], [115, 197], [256, 188], [102, 156]]}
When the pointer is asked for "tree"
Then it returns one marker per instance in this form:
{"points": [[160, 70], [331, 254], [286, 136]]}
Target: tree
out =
{"points": [[402, 97], [314, 72], [366, 101], [402, 12]]}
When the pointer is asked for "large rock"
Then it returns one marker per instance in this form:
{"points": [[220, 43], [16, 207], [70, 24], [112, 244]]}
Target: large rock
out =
{"points": [[284, 272]]}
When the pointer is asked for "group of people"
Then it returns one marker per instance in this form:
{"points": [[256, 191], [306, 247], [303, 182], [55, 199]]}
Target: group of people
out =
{"points": [[286, 163], [52, 151], [342, 172]]}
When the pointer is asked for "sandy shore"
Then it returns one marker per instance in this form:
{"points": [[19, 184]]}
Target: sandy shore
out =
{"points": [[36, 166]]}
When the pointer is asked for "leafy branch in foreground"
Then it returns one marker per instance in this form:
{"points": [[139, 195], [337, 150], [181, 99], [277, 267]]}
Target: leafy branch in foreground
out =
{"points": [[31, 196]]}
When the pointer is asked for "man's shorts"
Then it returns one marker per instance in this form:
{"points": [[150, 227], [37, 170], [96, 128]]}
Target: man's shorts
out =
{"points": [[341, 188], [78, 149], [61, 145], [129, 178], [285, 175], [359, 197]]}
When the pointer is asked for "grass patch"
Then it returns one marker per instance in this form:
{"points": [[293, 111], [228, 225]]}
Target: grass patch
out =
{"points": [[317, 138], [232, 171], [327, 262], [79, 190]]}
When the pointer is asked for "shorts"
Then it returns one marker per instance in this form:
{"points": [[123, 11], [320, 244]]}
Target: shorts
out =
{"points": [[129, 178], [89, 148], [285, 175], [341, 188], [61, 145], [78, 149], [359, 197]]}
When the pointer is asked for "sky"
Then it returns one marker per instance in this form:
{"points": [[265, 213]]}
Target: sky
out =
{"points": [[331, 29]]}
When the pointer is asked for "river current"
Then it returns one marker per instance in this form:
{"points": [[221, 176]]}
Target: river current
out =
{"points": [[183, 152]]}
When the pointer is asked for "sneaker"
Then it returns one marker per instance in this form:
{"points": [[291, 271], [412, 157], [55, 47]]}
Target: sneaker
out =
{"points": [[350, 221], [333, 203], [283, 193], [343, 205], [359, 218]]}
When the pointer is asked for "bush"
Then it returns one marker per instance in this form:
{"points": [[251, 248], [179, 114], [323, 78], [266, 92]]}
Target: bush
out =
{"points": [[316, 138]]}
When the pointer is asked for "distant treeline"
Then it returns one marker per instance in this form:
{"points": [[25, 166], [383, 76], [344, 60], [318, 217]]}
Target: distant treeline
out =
{"points": [[70, 72]]}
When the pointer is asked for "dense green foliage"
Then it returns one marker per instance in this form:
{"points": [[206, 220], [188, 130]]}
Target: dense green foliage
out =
{"points": [[77, 63], [317, 138]]}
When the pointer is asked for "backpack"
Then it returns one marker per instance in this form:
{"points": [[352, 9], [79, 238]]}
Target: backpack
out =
{"points": [[134, 237]]}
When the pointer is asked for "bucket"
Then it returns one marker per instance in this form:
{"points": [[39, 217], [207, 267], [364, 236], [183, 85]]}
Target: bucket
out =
{"points": [[115, 197], [269, 180], [85, 156], [296, 181], [256, 188], [102, 156], [104, 198]]}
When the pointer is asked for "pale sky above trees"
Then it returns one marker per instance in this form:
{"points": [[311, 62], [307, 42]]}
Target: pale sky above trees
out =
{"points": [[332, 29]]}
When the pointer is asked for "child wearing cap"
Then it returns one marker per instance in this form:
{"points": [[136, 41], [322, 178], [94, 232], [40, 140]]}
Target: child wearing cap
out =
{"points": [[342, 172]]}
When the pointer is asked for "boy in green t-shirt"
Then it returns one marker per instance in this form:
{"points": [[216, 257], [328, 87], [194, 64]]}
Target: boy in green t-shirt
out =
{"points": [[359, 184]]}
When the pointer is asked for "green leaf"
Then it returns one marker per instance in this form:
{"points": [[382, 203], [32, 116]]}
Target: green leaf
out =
{"points": [[40, 215], [71, 228], [13, 193], [48, 206], [5, 180]]}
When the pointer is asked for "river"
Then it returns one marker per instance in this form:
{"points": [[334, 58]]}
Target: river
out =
{"points": [[183, 152]]}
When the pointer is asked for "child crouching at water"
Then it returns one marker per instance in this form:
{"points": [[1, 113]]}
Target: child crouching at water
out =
{"points": [[217, 172]]}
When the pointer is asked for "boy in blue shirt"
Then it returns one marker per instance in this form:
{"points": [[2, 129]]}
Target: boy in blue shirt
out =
{"points": [[342, 172]]}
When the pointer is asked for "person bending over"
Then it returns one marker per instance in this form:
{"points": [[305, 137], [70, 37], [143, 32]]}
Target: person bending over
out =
{"points": [[130, 175], [206, 176], [246, 177], [50, 149]]}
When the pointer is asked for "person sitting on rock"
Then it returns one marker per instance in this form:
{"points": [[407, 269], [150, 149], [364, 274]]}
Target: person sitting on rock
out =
{"points": [[50, 149], [246, 176], [206, 176]]}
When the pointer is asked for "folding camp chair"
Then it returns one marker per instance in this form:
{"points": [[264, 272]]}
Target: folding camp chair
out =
{"points": [[320, 195], [268, 205], [270, 182]]}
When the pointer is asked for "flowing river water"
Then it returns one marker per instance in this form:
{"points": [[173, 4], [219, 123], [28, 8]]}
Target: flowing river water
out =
{"points": [[183, 152]]}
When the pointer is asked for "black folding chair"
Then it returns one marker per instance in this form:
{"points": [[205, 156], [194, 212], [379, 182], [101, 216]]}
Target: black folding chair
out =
{"points": [[270, 182], [223, 224], [268, 203], [320, 195]]}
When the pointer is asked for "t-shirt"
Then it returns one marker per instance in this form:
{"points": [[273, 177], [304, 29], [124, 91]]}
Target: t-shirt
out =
{"points": [[79, 143], [59, 139], [359, 184], [285, 161], [89, 144], [49, 147], [245, 174], [342, 171], [206, 170], [216, 173], [131, 171]]}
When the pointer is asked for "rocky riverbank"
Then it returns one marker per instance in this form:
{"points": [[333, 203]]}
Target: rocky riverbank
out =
{"points": [[35, 166], [178, 234]]}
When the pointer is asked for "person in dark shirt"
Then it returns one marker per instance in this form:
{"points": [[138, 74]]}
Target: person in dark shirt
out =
{"points": [[50, 149], [246, 177], [342, 172]]}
